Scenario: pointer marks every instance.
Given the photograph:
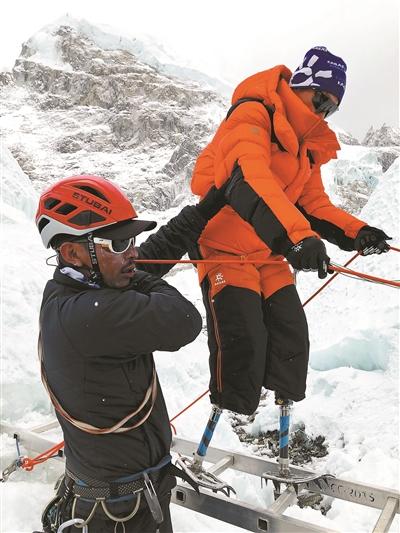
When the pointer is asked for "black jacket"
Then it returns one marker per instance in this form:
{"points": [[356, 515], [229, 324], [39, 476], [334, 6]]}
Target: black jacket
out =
{"points": [[97, 346]]}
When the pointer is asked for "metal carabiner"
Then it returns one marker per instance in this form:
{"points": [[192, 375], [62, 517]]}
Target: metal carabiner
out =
{"points": [[9, 470], [71, 523]]}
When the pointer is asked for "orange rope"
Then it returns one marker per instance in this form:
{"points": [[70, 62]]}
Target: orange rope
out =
{"points": [[28, 464], [212, 261], [329, 280], [338, 270], [186, 408], [365, 276]]}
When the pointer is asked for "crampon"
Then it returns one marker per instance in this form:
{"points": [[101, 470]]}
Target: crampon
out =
{"points": [[203, 477]]}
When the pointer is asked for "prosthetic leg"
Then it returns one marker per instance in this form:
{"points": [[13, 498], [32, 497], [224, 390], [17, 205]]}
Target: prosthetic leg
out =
{"points": [[194, 467], [285, 474]]}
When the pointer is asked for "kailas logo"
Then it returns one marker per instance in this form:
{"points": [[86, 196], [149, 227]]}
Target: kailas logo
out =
{"points": [[90, 201], [219, 279], [297, 247], [338, 65]]}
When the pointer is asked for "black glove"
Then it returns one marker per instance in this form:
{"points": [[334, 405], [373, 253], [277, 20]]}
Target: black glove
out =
{"points": [[213, 201], [371, 240], [309, 254]]}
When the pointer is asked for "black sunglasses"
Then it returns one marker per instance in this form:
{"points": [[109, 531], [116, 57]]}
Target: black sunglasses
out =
{"points": [[323, 104]]}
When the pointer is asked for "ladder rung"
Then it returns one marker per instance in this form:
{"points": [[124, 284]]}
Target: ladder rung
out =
{"points": [[386, 517], [221, 465], [285, 500]]}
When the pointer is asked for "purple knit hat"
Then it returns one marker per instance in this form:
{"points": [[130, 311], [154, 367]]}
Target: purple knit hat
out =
{"points": [[321, 69]]}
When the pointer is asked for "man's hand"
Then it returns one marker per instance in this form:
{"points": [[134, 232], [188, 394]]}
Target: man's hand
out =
{"points": [[212, 202], [371, 240], [309, 255], [145, 283]]}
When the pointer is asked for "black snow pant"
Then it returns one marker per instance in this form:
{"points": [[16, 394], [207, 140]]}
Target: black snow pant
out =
{"points": [[254, 343]]}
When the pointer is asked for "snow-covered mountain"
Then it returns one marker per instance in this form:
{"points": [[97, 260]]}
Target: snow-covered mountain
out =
{"points": [[80, 100], [84, 99], [77, 102], [383, 136], [385, 142], [50, 50], [345, 137]]}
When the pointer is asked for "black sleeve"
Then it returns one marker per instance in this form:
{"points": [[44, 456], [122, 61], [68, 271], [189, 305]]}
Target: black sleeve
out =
{"points": [[109, 323], [252, 208], [173, 240], [329, 231]]}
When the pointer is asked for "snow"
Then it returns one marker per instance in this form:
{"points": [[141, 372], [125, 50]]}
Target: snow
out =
{"points": [[144, 47], [352, 386], [368, 351], [366, 168], [46, 51], [383, 136], [18, 198]]}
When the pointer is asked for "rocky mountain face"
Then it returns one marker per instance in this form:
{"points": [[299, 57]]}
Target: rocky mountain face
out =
{"points": [[345, 137], [386, 143], [383, 136], [356, 177], [76, 107], [80, 100]]}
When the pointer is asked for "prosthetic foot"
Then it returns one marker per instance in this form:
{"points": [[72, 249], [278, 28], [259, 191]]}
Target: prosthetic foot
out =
{"points": [[194, 467]]}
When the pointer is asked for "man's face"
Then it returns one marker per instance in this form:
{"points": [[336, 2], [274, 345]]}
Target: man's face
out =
{"points": [[117, 269]]}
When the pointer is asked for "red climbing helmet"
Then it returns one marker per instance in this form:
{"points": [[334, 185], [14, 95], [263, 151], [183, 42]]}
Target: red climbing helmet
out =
{"points": [[84, 204]]}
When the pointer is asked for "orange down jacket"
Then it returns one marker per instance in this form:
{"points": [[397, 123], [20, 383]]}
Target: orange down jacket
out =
{"points": [[287, 179]]}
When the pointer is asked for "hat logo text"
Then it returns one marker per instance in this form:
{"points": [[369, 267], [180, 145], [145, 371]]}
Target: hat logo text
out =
{"points": [[90, 201]]}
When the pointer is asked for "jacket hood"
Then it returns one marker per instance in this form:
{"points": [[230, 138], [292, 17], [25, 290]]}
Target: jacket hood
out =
{"points": [[262, 84], [294, 123]]}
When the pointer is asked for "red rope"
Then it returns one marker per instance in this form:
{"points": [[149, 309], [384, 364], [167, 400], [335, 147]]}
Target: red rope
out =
{"points": [[395, 249]]}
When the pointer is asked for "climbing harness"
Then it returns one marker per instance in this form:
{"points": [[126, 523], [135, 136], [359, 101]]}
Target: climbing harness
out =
{"points": [[61, 511]]}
